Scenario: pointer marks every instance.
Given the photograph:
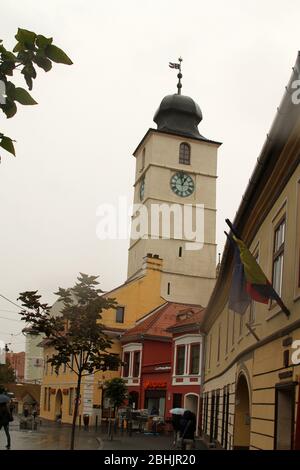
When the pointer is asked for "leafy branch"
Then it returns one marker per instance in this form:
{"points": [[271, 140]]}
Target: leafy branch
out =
{"points": [[31, 51]]}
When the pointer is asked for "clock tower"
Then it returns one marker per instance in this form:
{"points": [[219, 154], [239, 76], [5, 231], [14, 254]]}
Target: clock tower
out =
{"points": [[176, 169]]}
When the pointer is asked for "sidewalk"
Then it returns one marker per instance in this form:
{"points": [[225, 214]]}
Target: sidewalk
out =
{"points": [[53, 436]]}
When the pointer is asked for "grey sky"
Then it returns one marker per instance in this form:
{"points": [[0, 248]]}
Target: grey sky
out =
{"points": [[74, 148]]}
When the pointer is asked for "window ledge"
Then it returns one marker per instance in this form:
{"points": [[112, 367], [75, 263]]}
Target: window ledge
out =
{"points": [[296, 297]]}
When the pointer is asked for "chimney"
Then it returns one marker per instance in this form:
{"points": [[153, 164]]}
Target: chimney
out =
{"points": [[153, 262]]}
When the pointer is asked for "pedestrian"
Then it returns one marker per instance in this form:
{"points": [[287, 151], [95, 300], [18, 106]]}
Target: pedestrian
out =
{"points": [[187, 430], [34, 412], [176, 428], [5, 419], [154, 411], [11, 408]]}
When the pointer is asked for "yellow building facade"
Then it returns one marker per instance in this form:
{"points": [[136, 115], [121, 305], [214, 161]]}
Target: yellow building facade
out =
{"points": [[135, 299], [251, 382]]}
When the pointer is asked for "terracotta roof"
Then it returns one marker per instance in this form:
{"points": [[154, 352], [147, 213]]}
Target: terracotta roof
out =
{"points": [[157, 322], [196, 317], [22, 391]]}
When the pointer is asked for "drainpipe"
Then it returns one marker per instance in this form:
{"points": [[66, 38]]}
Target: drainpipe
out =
{"points": [[141, 376], [203, 356]]}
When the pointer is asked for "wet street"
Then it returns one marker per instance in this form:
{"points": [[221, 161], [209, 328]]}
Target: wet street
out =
{"points": [[50, 436]]}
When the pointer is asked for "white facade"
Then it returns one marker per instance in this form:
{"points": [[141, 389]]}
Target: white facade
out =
{"points": [[157, 160], [34, 359]]}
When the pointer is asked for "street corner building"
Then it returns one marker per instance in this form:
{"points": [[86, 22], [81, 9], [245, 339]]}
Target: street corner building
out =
{"points": [[251, 386]]}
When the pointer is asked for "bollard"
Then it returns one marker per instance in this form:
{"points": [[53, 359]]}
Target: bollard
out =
{"points": [[96, 423]]}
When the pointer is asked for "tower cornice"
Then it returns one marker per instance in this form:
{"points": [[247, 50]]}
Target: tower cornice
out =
{"points": [[187, 138]]}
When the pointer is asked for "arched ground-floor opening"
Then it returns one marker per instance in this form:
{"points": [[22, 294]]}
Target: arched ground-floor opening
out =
{"points": [[241, 435], [191, 402], [58, 404]]}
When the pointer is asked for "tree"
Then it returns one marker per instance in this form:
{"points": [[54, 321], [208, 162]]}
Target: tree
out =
{"points": [[76, 333], [7, 373], [116, 391], [30, 51]]}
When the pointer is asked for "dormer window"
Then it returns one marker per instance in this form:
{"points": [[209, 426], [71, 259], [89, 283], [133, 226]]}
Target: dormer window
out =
{"points": [[185, 153]]}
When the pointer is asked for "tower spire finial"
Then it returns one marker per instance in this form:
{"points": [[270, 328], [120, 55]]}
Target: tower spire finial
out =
{"points": [[174, 65]]}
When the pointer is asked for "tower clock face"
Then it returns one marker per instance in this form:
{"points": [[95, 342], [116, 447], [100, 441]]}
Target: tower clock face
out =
{"points": [[182, 184], [142, 189]]}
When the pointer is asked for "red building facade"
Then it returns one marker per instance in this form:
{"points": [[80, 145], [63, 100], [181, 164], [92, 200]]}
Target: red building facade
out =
{"points": [[162, 359]]}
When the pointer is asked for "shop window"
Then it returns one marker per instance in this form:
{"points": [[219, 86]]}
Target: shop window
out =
{"points": [[177, 400]]}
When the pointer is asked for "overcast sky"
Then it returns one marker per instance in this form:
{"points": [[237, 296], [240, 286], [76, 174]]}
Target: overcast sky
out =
{"points": [[74, 150]]}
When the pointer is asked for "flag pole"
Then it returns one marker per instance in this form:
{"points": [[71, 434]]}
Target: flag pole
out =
{"points": [[232, 228]]}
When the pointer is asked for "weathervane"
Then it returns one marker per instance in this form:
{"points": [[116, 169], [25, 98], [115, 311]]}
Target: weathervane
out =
{"points": [[175, 65]]}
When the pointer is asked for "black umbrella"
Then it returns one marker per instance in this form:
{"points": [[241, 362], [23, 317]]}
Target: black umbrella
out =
{"points": [[4, 398]]}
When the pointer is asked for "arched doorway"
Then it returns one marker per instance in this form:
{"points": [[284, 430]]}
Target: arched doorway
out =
{"points": [[241, 436], [191, 402], [58, 405]]}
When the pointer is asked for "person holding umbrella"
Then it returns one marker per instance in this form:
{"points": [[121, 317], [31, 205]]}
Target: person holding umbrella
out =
{"points": [[176, 418], [187, 430], [5, 416]]}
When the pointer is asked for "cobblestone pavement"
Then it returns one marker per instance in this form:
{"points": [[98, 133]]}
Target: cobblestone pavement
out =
{"points": [[50, 436]]}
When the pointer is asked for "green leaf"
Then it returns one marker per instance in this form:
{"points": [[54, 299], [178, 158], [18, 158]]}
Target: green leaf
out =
{"points": [[7, 144], [18, 47], [42, 42], [23, 97], [25, 36], [29, 73], [7, 55], [43, 63], [9, 109], [10, 90], [57, 55]]}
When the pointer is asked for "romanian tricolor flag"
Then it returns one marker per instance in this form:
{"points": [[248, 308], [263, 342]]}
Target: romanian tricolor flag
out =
{"points": [[249, 281]]}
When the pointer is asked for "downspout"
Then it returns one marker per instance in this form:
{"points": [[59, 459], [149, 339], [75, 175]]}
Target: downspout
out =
{"points": [[141, 375], [203, 358]]}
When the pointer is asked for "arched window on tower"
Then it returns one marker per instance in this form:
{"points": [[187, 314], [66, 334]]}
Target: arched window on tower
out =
{"points": [[185, 154]]}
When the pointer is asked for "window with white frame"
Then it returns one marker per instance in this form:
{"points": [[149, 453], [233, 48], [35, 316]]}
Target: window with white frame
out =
{"points": [[194, 358], [180, 359], [132, 360], [252, 315], [278, 254], [187, 354]]}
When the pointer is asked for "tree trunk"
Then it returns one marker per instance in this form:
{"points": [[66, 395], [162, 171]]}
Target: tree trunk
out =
{"points": [[76, 407], [110, 430]]}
